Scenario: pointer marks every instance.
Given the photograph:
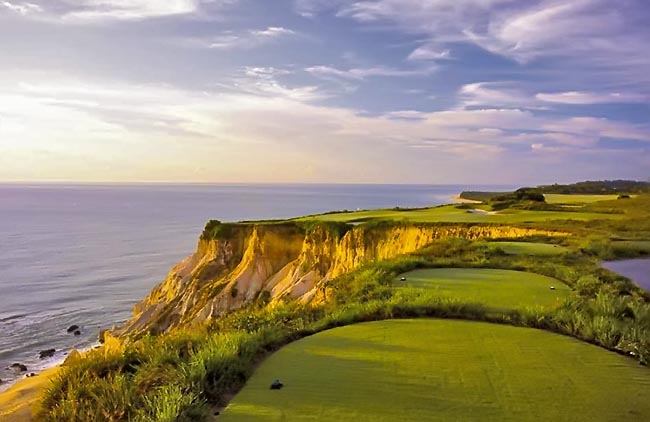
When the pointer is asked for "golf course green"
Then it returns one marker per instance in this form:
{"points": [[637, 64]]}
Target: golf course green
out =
{"points": [[499, 289], [454, 214], [528, 248], [443, 370]]}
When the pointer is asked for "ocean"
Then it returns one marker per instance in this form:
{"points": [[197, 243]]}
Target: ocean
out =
{"points": [[85, 254]]}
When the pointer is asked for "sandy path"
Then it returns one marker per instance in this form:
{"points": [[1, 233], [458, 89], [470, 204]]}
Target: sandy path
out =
{"points": [[482, 212]]}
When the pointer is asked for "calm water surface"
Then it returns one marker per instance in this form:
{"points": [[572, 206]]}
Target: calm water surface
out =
{"points": [[637, 270], [86, 254]]}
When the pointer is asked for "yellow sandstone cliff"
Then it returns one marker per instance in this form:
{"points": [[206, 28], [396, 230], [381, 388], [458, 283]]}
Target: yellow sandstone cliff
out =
{"points": [[243, 262]]}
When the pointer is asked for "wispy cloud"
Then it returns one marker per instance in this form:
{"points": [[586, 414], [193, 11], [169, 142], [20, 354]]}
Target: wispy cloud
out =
{"points": [[510, 94], [604, 39], [367, 72], [99, 11], [309, 8], [495, 94], [21, 8], [269, 127], [130, 9], [243, 40], [583, 98], [428, 52], [265, 82]]}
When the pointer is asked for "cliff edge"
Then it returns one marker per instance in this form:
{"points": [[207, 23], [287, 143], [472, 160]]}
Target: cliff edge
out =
{"points": [[236, 264]]}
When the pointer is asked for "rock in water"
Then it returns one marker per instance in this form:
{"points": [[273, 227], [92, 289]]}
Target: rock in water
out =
{"points": [[44, 354], [18, 367], [77, 333], [73, 328], [276, 385]]}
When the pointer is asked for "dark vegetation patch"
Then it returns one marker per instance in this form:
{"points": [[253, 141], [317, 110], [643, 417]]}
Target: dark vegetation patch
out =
{"points": [[601, 187]]}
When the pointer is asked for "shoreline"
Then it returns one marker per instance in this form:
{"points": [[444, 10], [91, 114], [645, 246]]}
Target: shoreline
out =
{"points": [[458, 199], [20, 402], [20, 399]]}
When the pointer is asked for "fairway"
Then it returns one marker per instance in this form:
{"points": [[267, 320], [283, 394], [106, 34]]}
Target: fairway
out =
{"points": [[555, 198], [528, 248], [441, 370], [499, 289], [453, 214]]}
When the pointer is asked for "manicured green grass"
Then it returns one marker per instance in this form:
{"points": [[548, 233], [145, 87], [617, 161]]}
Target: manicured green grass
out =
{"points": [[500, 289], [443, 370], [451, 213], [554, 198], [528, 248]]}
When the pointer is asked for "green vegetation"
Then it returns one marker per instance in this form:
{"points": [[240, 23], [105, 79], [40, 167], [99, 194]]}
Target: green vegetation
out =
{"points": [[602, 187], [424, 370], [611, 188], [500, 289], [179, 375], [528, 248], [479, 195], [524, 198], [637, 247], [553, 198], [458, 214]]}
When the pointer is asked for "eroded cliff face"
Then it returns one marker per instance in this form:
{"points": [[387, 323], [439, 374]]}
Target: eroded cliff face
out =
{"points": [[281, 261]]}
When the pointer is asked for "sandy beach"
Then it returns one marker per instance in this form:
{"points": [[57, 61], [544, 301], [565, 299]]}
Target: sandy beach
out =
{"points": [[457, 198], [20, 402]]}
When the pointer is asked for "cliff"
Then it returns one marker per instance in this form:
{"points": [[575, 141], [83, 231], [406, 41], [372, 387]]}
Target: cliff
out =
{"points": [[235, 264]]}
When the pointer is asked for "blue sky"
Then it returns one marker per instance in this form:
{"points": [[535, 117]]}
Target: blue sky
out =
{"points": [[374, 91]]}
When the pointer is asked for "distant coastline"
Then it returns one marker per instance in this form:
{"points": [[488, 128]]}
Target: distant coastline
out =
{"points": [[458, 199]]}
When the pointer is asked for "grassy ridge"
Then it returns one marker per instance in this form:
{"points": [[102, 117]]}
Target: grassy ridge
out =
{"points": [[424, 370], [458, 214]]}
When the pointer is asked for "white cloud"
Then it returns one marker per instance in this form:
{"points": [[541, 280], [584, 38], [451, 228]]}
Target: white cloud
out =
{"points": [[363, 73], [583, 98], [430, 53], [508, 94], [130, 9], [21, 8], [495, 94], [599, 127], [249, 39], [273, 31], [264, 82], [99, 11]]}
